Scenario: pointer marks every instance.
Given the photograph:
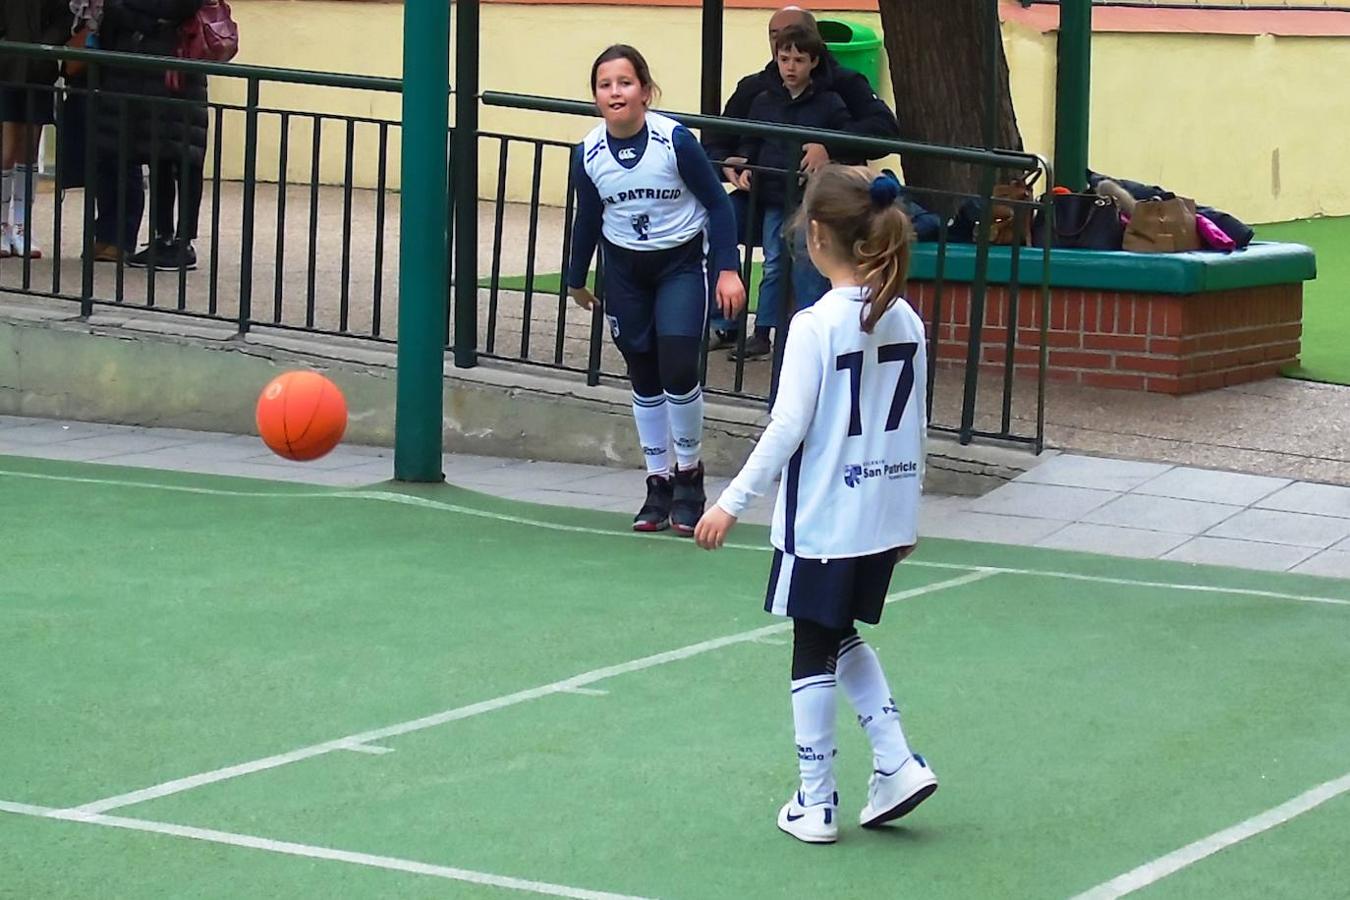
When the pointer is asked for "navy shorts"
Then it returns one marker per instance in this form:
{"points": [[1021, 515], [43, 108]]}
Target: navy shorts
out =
{"points": [[655, 293], [35, 105], [831, 592]]}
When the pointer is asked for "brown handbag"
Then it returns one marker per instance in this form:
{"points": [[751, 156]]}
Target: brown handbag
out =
{"points": [[1162, 226], [1006, 228]]}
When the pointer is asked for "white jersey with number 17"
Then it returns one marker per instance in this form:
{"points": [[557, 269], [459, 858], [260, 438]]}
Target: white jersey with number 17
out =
{"points": [[847, 433]]}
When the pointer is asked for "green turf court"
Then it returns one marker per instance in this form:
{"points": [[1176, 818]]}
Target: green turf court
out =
{"points": [[1326, 300], [219, 687]]}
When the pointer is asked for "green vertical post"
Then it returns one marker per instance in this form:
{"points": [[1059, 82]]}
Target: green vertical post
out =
{"points": [[466, 183], [424, 277], [1073, 92]]}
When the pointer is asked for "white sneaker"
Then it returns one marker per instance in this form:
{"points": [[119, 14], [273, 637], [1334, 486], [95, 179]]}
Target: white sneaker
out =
{"points": [[23, 244], [818, 824], [891, 796], [6, 239]]}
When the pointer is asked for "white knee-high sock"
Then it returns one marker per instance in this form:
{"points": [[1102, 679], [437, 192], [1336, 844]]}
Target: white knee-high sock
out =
{"points": [[859, 673], [653, 427], [686, 425], [813, 706], [19, 206]]}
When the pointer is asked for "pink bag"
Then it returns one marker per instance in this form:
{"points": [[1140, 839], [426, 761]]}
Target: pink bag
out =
{"points": [[1212, 236], [210, 35]]}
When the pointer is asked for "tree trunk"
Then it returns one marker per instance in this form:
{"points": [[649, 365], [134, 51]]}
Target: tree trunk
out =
{"points": [[937, 51]]}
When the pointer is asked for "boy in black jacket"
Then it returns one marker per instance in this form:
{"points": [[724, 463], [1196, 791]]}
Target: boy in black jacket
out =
{"points": [[869, 115], [797, 99]]}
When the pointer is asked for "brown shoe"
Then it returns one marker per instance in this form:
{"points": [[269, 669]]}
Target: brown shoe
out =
{"points": [[106, 253]]}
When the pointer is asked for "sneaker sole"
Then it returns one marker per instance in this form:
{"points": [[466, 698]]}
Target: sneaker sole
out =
{"points": [[648, 527], [807, 838], [683, 530], [159, 268], [903, 808]]}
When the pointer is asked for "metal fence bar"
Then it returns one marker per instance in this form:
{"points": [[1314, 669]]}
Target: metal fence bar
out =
{"points": [[377, 290], [250, 199], [283, 162], [532, 244]]}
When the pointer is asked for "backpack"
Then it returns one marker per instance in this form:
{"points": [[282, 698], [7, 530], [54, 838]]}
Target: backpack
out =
{"points": [[210, 35]]}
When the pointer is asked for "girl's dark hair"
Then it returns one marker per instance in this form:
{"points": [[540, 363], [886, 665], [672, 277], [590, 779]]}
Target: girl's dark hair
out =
{"points": [[856, 210], [623, 51]]}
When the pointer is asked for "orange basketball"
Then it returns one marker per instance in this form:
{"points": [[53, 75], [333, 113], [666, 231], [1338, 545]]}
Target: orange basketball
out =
{"points": [[301, 415]]}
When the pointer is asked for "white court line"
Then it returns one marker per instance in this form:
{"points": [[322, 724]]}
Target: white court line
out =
{"points": [[1177, 860], [311, 852], [476, 709], [587, 692], [411, 500], [369, 748]]}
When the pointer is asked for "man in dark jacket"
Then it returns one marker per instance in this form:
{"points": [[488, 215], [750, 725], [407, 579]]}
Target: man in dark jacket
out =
{"points": [[27, 102], [143, 119], [796, 100], [867, 115]]}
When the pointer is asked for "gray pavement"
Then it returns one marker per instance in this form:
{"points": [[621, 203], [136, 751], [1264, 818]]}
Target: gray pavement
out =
{"points": [[1070, 502]]}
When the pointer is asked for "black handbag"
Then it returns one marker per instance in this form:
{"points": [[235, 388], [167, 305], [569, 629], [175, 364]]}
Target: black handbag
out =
{"points": [[1081, 222]]}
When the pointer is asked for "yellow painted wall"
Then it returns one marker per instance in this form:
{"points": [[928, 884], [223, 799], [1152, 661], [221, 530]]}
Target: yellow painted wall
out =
{"points": [[1253, 124]]}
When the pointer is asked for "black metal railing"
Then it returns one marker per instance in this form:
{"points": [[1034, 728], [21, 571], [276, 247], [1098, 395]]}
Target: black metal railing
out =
{"points": [[282, 241], [299, 208]]}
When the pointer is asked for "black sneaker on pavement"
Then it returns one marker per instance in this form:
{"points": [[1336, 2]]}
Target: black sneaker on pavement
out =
{"points": [[757, 347], [655, 513], [687, 507]]}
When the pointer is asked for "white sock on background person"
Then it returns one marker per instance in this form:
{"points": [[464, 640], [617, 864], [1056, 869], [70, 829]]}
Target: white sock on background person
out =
{"points": [[653, 428], [686, 426]]}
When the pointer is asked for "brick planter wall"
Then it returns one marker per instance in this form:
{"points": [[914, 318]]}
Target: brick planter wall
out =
{"points": [[1167, 343]]}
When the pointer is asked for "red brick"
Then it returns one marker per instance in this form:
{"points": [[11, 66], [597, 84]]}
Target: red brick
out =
{"points": [[1030, 337], [1154, 365], [1078, 359], [1209, 380], [952, 351], [1073, 311], [1173, 324], [1027, 313], [1116, 380], [1164, 346], [999, 353], [1127, 342], [1183, 385], [1282, 351]]}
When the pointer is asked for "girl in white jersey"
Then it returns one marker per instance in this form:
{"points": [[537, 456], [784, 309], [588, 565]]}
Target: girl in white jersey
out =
{"points": [[847, 435], [647, 194]]}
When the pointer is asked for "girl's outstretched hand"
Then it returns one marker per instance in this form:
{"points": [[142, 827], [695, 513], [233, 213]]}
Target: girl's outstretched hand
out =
{"points": [[583, 297], [711, 530], [730, 294]]}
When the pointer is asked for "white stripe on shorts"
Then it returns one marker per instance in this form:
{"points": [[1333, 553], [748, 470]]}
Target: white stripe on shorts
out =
{"points": [[783, 588]]}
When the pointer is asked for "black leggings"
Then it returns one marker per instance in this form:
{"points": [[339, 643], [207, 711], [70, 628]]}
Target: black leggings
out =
{"points": [[671, 367], [815, 647]]}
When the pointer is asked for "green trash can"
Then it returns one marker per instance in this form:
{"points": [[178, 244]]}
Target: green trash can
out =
{"points": [[855, 46]]}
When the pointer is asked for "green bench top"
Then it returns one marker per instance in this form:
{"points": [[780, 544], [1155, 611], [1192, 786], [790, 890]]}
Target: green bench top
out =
{"points": [[1259, 265]]}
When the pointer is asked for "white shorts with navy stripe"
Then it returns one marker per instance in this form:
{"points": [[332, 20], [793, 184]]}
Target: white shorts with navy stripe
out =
{"points": [[832, 592]]}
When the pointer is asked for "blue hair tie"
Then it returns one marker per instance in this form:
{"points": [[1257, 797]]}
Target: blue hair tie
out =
{"points": [[885, 190]]}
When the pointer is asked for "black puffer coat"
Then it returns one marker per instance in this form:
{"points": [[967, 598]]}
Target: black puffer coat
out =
{"points": [[32, 22], [159, 123]]}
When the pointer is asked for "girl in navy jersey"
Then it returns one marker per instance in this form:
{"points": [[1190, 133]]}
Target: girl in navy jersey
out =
{"points": [[648, 195], [847, 435]]}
